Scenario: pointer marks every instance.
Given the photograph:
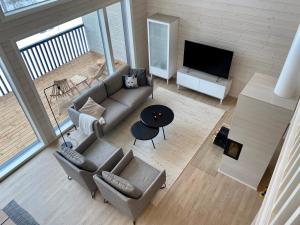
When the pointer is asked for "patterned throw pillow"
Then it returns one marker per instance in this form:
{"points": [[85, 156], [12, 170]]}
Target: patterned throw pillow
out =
{"points": [[78, 160], [122, 185], [141, 75], [92, 108], [130, 81]]}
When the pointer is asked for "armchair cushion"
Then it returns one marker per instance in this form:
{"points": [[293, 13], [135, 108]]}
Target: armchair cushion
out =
{"points": [[78, 160], [141, 75], [139, 173], [92, 108], [99, 151], [122, 185]]}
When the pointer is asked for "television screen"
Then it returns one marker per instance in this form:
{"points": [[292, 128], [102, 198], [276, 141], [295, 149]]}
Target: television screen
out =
{"points": [[207, 59]]}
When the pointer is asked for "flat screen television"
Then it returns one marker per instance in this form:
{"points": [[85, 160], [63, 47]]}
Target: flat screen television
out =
{"points": [[207, 59]]}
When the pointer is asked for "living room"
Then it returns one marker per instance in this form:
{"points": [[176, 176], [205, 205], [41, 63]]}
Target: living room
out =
{"points": [[193, 141]]}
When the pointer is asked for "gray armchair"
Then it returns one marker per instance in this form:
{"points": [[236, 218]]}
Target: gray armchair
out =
{"points": [[102, 154], [140, 174]]}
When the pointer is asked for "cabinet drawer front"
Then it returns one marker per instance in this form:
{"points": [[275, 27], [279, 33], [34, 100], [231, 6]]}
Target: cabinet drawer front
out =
{"points": [[188, 81], [212, 89]]}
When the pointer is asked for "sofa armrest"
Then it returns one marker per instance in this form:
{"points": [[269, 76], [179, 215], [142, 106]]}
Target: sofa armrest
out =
{"points": [[150, 80], [123, 163], [112, 161], [83, 145], [98, 129], [137, 206], [74, 115], [85, 178], [155, 186]]}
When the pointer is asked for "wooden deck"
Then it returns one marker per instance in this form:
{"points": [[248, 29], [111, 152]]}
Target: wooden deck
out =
{"points": [[16, 132]]}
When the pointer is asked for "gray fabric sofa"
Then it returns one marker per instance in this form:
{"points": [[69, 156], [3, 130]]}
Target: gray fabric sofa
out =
{"points": [[104, 155], [118, 101], [143, 176]]}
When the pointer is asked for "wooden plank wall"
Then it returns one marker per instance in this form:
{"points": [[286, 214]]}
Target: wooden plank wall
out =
{"points": [[260, 32]]}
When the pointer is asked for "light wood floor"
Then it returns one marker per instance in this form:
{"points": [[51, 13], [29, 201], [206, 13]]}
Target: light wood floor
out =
{"points": [[200, 196], [16, 132]]}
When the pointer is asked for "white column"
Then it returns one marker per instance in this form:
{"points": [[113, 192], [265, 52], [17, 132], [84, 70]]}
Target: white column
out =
{"points": [[288, 84], [107, 45], [129, 33], [25, 91]]}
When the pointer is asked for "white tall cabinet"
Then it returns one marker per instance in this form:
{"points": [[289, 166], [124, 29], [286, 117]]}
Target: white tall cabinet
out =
{"points": [[162, 45]]}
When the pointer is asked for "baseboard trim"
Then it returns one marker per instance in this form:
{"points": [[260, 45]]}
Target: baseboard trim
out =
{"points": [[234, 178]]}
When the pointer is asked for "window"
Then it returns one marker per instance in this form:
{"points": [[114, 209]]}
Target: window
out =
{"points": [[66, 60], [116, 29], [13, 5], [16, 133]]}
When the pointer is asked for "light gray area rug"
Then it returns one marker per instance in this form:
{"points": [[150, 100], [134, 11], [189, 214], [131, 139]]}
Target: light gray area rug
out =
{"points": [[192, 124]]}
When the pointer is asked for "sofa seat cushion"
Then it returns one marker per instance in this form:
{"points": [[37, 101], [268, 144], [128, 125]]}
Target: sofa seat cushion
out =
{"points": [[132, 97], [99, 152], [115, 112], [122, 185], [97, 93], [78, 159], [139, 173]]}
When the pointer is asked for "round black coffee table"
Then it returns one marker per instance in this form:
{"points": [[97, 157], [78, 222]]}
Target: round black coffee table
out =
{"points": [[141, 132], [157, 116]]}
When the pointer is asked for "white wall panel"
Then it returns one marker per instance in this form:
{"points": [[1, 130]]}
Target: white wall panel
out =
{"points": [[259, 32]]}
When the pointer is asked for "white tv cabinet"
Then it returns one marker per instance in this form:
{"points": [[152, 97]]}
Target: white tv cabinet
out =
{"points": [[203, 82]]}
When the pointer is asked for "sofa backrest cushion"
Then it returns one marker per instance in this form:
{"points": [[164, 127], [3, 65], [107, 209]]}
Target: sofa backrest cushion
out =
{"points": [[141, 75], [78, 159], [114, 82], [97, 93], [122, 185]]}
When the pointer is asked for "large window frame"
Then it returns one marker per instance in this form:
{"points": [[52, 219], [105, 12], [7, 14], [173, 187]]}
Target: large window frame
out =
{"points": [[29, 151], [25, 11], [45, 132]]}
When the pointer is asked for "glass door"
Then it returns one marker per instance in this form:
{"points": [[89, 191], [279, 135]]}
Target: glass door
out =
{"points": [[158, 45], [16, 134]]}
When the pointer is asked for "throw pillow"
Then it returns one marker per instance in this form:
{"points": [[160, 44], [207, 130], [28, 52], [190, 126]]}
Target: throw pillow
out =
{"points": [[78, 160], [141, 75], [92, 108], [122, 185], [130, 81]]}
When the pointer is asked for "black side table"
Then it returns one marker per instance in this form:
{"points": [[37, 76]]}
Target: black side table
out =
{"points": [[141, 132], [157, 116]]}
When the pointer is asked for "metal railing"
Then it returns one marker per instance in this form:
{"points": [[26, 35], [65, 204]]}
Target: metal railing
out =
{"points": [[51, 53], [4, 85]]}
